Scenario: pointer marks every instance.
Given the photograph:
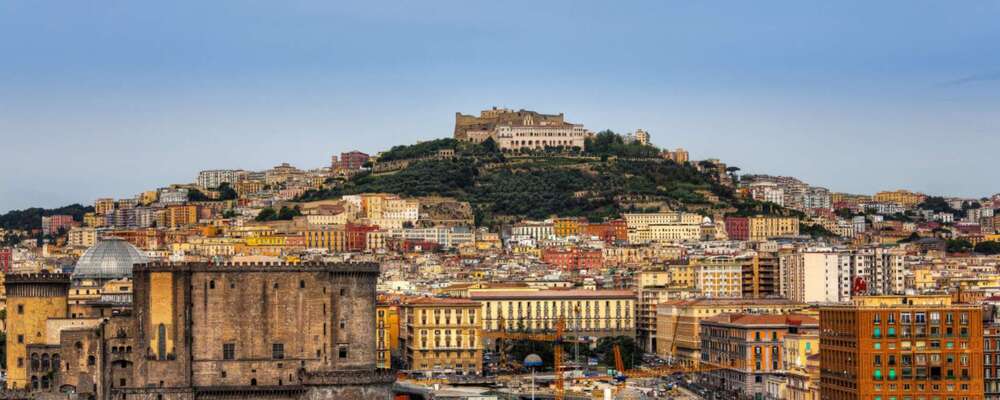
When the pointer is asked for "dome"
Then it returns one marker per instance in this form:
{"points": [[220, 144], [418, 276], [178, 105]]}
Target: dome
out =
{"points": [[108, 259]]}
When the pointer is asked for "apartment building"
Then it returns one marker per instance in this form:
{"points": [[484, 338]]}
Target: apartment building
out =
{"points": [[678, 322], [746, 350], [442, 335], [903, 347], [586, 313], [663, 227], [718, 277]]}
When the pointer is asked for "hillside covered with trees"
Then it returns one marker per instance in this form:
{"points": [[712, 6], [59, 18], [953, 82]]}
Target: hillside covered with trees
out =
{"points": [[608, 178], [31, 218]]}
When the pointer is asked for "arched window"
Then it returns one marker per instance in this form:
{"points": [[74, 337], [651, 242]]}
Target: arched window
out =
{"points": [[55, 362], [45, 381], [46, 365], [91, 360], [34, 382], [253, 382], [34, 361]]}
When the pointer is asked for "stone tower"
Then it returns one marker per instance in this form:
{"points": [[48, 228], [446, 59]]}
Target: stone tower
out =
{"points": [[31, 300]]}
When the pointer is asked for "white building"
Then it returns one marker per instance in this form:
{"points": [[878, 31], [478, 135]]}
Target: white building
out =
{"points": [[815, 276], [211, 179], [534, 230], [540, 136], [767, 191]]}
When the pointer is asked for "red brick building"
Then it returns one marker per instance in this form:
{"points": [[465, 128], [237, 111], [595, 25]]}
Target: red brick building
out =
{"points": [[6, 254], [573, 258], [738, 228], [52, 224], [609, 231], [351, 161], [357, 236]]}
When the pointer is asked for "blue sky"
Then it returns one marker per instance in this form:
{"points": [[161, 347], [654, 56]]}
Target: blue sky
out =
{"points": [[112, 98]]}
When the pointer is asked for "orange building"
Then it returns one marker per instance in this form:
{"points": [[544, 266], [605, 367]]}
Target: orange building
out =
{"points": [[901, 347], [746, 350], [181, 216]]}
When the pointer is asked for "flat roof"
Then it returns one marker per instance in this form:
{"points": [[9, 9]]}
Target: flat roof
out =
{"points": [[553, 294]]}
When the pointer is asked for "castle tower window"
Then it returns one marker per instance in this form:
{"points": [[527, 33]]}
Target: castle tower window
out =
{"points": [[161, 342], [228, 351], [278, 351], [342, 351], [211, 284], [302, 284]]}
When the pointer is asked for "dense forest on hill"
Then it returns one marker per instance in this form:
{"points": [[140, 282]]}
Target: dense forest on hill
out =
{"points": [[603, 181], [31, 218]]}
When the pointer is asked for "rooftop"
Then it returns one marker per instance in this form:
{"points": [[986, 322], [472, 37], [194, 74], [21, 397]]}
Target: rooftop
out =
{"points": [[740, 319], [553, 294]]}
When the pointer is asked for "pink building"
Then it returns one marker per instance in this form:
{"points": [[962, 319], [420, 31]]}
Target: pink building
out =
{"points": [[351, 161], [52, 225], [6, 254]]}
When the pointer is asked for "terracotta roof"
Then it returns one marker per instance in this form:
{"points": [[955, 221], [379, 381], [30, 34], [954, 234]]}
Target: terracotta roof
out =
{"points": [[554, 294], [728, 302], [763, 319], [438, 301]]}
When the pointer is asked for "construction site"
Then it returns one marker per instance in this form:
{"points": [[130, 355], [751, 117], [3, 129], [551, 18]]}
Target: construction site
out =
{"points": [[560, 373]]}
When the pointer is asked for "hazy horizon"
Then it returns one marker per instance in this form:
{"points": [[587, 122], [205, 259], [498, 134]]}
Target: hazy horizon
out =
{"points": [[108, 100]]}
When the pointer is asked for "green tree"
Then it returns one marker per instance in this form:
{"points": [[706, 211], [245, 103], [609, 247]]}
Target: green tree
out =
{"points": [[988, 247], [197, 195], [267, 214], [629, 350], [226, 192], [958, 245]]}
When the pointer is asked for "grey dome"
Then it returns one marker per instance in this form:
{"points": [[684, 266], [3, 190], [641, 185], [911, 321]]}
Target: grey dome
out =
{"points": [[108, 259]]}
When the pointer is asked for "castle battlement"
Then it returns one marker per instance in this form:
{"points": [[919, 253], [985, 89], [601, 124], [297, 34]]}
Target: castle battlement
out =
{"points": [[37, 278], [309, 266]]}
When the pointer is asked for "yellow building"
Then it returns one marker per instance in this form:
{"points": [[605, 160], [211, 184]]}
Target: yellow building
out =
{"points": [[442, 336], [104, 206], [246, 187], [181, 216], [763, 228], [93, 220], [663, 226], [902, 197], [31, 300], [386, 334], [718, 277], [588, 313], [567, 227], [330, 237], [149, 197], [678, 322]]}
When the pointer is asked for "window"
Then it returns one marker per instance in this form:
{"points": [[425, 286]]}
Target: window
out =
{"points": [[343, 292], [20, 308], [278, 351], [229, 351], [302, 284], [342, 351], [20, 338]]}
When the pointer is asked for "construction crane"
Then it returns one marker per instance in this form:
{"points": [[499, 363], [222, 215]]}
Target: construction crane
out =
{"points": [[556, 338]]}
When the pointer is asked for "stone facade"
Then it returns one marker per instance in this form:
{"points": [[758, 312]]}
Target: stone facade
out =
{"points": [[255, 331], [31, 300]]}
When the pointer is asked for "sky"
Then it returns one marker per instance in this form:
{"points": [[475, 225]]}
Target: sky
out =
{"points": [[110, 98]]}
